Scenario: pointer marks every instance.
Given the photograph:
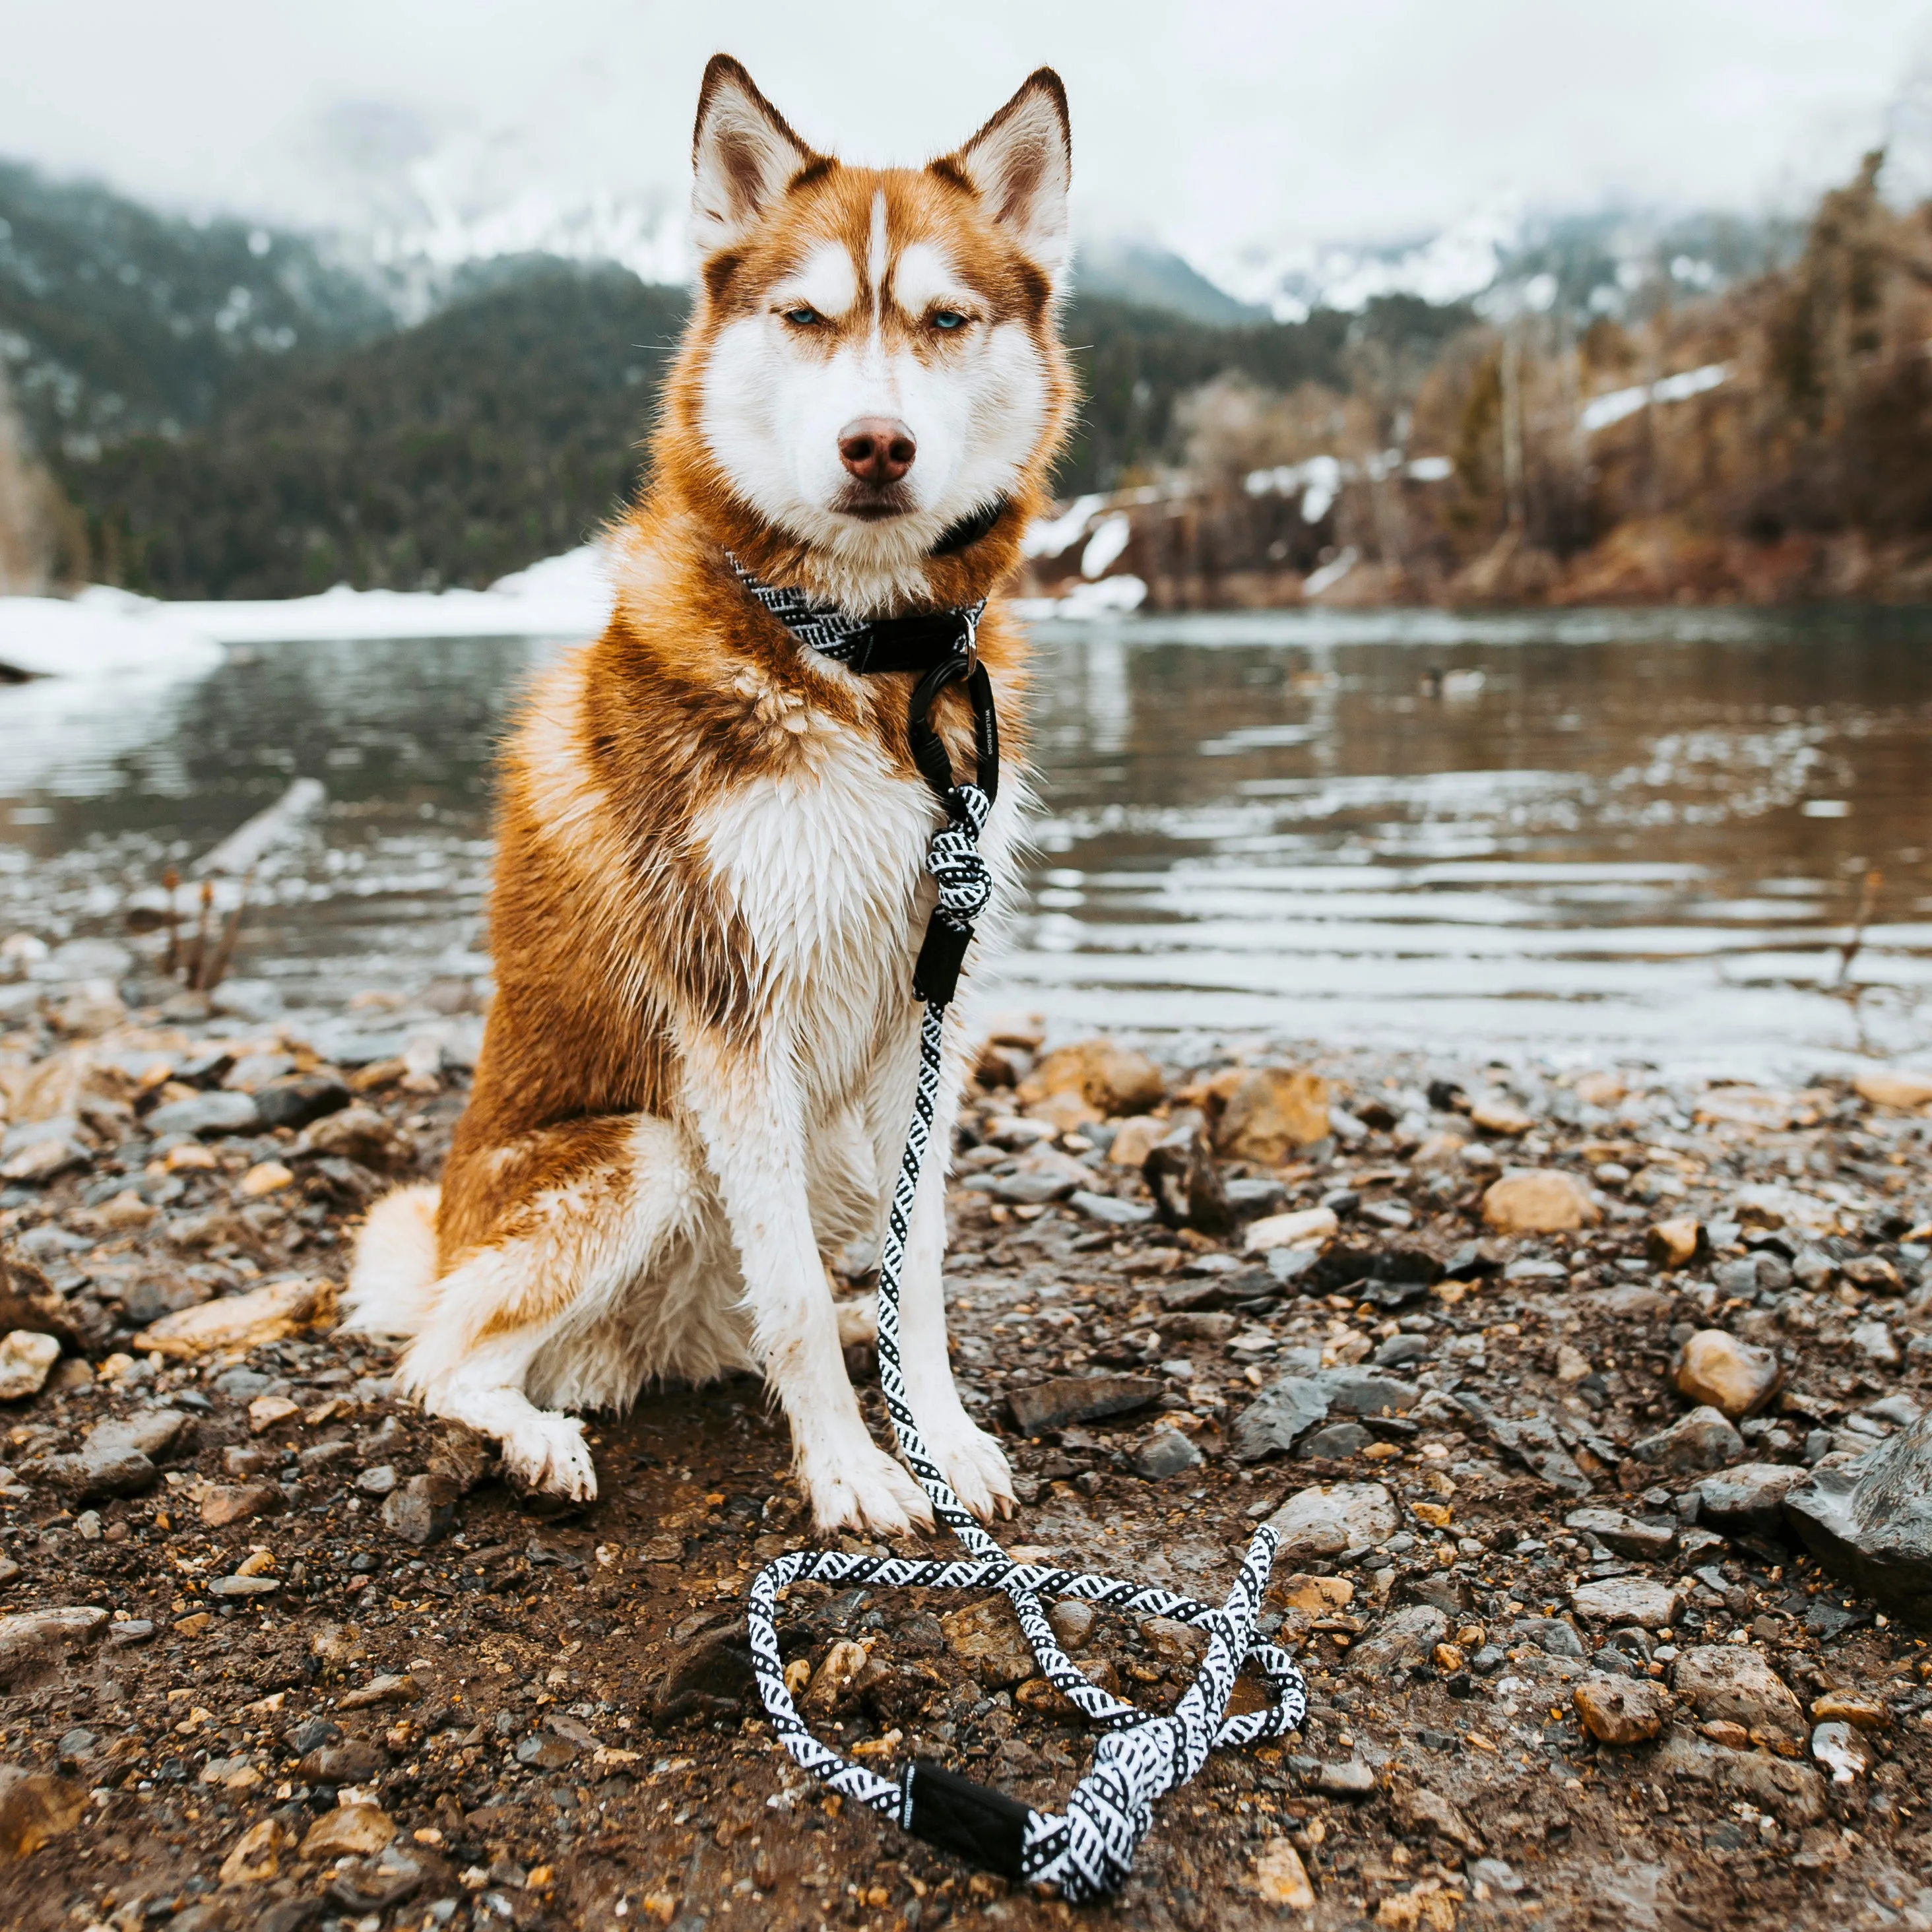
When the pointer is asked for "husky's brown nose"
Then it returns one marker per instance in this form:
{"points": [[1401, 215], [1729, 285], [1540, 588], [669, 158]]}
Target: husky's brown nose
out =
{"points": [[876, 449]]}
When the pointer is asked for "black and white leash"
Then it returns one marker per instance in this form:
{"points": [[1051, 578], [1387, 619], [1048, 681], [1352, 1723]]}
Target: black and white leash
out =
{"points": [[1086, 1851]]}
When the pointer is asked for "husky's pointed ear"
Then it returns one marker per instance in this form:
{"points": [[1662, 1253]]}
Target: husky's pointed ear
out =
{"points": [[1020, 165], [742, 154]]}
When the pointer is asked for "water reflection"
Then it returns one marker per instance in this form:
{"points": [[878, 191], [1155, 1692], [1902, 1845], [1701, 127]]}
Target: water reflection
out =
{"points": [[1642, 833]]}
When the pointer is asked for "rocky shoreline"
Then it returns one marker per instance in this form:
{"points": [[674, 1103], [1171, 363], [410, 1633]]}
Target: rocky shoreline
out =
{"points": [[1536, 1372]]}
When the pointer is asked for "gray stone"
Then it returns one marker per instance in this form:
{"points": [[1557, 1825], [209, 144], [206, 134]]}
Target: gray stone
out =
{"points": [[1748, 1500], [1400, 1349], [1109, 1208], [243, 1586], [1642, 1600], [1054, 1405], [1532, 1441], [118, 1458], [1348, 1778], [1365, 1392], [423, 1510], [545, 1751], [1167, 1452], [378, 1481], [304, 1098], [1551, 1635], [1870, 1525], [1733, 1682], [1337, 1441], [1623, 1535], [1186, 1187], [31, 1637], [206, 1114], [1403, 1640], [1702, 1440], [1793, 1793], [1256, 1195], [1285, 1411], [1327, 1521]]}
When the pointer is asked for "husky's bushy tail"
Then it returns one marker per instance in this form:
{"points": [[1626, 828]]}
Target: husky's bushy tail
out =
{"points": [[390, 1285]]}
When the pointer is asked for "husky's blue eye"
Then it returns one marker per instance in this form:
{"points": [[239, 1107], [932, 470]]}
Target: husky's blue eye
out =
{"points": [[802, 317], [948, 319]]}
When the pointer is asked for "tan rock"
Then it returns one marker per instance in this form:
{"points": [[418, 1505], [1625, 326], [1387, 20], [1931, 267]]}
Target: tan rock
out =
{"points": [[35, 1807], [1418, 1809], [1764, 1107], [1600, 1090], [1722, 1731], [1438, 1150], [831, 1681], [1497, 1114], [266, 1411], [1111, 1078], [1319, 1596], [1851, 1707], [1720, 1371], [1621, 1710], [270, 1313], [1065, 1111], [225, 1503], [1895, 1086], [1136, 1139], [1426, 1907], [1272, 1114], [1539, 1200], [1281, 1878], [266, 1177], [987, 1637], [1308, 1227], [125, 1212], [1673, 1244], [255, 1857], [1734, 1681], [26, 1360], [1572, 1364], [353, 1831]]}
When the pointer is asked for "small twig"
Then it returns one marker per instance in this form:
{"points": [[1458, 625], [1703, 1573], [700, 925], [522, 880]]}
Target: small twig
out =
{"points": [[218, 967], [1868, 892], [171, 884], [198, 951]]}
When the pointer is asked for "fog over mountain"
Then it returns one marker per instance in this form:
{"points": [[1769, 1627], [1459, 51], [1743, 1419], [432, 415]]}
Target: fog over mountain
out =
{"points": [[1284, 150]]}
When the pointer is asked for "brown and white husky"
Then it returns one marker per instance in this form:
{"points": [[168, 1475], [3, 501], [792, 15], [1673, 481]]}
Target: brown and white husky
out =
{"points": [[710, 892]]}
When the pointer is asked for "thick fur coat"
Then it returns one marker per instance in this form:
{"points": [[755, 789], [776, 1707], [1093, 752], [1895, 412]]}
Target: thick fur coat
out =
{"points": [[698, 1067]]}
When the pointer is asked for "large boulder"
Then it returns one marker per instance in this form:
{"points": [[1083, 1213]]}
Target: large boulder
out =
{"points": [[1870, 1524]]}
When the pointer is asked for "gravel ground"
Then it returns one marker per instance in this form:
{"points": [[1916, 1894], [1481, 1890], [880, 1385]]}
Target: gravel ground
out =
{"points": [[277, 1652]]}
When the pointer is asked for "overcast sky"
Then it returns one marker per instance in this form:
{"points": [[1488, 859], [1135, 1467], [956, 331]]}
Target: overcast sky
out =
{"points": [[1209, 123]]}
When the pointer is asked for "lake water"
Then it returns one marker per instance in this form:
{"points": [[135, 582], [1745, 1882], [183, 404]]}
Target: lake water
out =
{"points": [[1634, 834]]}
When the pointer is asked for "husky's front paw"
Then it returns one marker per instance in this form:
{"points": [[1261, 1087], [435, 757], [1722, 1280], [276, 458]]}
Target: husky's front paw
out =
{"points": [[548, 1453], [858, 1486], [975, 1464]]}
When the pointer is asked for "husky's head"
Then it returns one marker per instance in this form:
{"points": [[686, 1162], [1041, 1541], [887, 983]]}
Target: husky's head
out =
{"points": [[873, 369]]}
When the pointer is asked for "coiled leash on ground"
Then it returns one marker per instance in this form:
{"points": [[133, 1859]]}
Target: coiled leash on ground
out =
{"points": [[1086, 1851]]}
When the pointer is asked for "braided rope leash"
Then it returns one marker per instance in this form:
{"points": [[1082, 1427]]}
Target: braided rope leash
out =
{"points": [[1086, 1851]]}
